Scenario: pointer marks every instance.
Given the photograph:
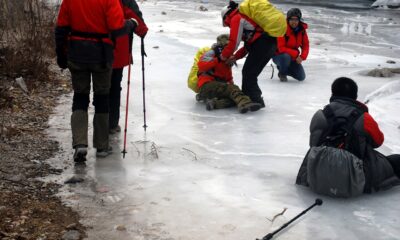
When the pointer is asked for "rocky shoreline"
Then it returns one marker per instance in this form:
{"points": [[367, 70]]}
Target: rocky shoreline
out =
{"points": [[29, 207]]}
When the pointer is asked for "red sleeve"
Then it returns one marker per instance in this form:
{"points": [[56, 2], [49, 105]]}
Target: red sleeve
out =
{"points": [[141, 29], [205, 66], [283, 49], [241, 53], [235, 36], [305, 46], [63, 16], [372, 129], [115, 15]]}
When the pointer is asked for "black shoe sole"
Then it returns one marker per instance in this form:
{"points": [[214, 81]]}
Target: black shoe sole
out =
{"points": [[244, 110], [255, 108]]}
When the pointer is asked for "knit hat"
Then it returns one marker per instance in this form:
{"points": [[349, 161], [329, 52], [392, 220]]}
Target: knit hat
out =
{"points": [[223, 39], [344, 87], [294, 12]]}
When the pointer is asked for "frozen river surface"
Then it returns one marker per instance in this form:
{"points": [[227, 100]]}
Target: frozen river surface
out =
{"points": [[217, 175]]}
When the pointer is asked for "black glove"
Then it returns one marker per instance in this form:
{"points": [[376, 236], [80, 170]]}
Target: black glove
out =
{"points": [[61, 36], [62, 61], [133, 24]]}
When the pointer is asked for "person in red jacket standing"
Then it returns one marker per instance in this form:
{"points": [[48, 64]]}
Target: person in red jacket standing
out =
{"points": [[215, 81], [259, 46], [293, 48], [84, 43], [122, 58]]}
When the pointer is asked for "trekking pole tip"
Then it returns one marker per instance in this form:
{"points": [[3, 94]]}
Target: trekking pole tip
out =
{"points": [[318, 201]]}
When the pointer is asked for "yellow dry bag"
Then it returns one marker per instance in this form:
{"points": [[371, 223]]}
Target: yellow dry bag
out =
{"points": [[193, 79], [262, 12]]}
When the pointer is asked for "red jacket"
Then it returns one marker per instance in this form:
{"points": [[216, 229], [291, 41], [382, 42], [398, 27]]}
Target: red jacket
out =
{"points": [[78, 18], [123, 44], [241, 28], [372, 129], [291, 42], [211, 69]]}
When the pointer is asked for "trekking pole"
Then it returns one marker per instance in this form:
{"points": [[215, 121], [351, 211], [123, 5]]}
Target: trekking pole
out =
{"points": [[143, 84], [318, 202], [273, 70], [126, 107]]}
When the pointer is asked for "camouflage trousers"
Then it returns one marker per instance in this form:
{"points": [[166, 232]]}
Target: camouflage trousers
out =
{"points": [[227, 95]]}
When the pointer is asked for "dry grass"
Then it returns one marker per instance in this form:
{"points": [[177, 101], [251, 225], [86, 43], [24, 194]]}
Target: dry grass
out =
{"points": [[26, 39]]}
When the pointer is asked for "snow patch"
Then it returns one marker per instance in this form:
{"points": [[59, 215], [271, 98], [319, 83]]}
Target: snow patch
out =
{"points": [[384, 91], [384, 106], [386, 4]]}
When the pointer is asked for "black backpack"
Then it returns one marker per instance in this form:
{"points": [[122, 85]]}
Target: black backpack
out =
{"points": [[341, 131]]}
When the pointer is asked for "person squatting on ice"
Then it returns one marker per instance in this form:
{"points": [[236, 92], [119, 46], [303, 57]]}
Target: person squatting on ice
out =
{"points": [[362, 136], [84, 43], [215, 81], [122, 58], [288, 57], [259, 47]]}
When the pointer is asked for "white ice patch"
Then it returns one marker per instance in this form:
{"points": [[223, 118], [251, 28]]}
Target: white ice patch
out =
{"points": [[384, 106], [384, 91], [386, 3]]}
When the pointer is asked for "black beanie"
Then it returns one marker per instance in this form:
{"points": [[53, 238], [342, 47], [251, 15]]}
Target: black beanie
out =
{"points": [[344, 87]]}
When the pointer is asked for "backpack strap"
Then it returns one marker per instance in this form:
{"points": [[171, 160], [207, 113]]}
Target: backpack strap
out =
{"points": [[349, 128], [354, 116], [329, 115]]}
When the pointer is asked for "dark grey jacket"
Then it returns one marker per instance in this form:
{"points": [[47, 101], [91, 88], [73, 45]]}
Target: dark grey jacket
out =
{"points": [[378, 171]]}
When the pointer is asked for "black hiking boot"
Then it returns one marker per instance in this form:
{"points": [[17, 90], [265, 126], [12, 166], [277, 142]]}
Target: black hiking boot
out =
{"points": [[115, 130], [252, 107], [80, 153], [211, 104], [102, 153], [282, 78], [259, 100], [198, 98]]}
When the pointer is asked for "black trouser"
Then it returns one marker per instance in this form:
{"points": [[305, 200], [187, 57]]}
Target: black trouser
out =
{"points": [[83, 74], [260, 52], [115, 97], [395, 162]]}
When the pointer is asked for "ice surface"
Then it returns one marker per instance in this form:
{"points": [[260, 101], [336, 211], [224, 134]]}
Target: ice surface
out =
{"points": [[217, 175]]}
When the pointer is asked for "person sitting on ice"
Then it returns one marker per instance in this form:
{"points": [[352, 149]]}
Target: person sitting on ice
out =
{"points": [[288, 57], [343, 137], [215, 81]]}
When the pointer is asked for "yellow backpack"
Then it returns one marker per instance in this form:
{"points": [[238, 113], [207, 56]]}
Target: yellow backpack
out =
{"points": [[262, 12], [193, 79]]}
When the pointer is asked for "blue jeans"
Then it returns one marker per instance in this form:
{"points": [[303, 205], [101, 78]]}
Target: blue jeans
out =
{"points": [[289, 67]]}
